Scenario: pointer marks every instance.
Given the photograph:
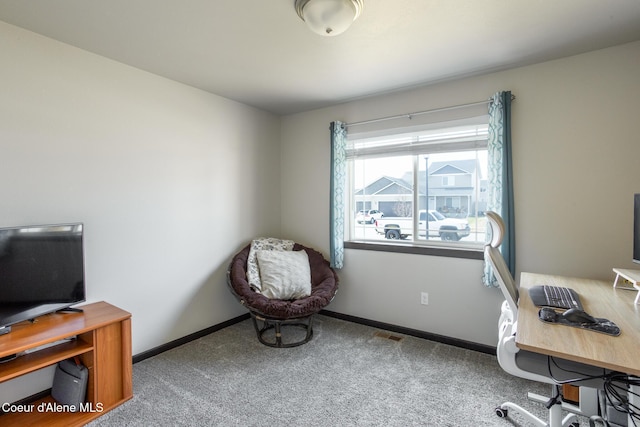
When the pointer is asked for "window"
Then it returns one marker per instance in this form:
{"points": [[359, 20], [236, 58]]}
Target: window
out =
{"points": [[428, 185]]}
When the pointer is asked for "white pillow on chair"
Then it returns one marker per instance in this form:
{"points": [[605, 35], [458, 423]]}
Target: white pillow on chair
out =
{"points": [[263, 243], [284, 274]]}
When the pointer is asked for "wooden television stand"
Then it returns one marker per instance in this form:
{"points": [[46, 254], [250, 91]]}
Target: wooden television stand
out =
{"points": [[102, 342]]}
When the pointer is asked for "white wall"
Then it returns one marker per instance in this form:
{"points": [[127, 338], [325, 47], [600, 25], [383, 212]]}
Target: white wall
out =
{"points": [[575, 150], [170, 181]]}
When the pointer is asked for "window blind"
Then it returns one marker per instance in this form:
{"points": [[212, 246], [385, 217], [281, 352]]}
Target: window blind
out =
{"points": [[433, 139]]}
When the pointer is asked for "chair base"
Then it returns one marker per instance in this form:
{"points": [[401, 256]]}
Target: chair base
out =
{"points": [[305, 323], [555, 411], [555, 416]]}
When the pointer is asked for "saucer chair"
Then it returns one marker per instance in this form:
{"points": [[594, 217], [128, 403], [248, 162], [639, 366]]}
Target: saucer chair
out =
{"points": [[270, 315]]}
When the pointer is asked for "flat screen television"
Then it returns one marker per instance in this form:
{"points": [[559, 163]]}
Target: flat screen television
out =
{"points": [[636, 228], [41, 271]]}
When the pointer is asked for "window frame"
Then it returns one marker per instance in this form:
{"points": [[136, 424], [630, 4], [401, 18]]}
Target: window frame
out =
{"points": [[426, 246]]}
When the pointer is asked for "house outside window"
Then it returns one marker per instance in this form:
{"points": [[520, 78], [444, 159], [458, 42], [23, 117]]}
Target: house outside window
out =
{"points": [[429, 185]]}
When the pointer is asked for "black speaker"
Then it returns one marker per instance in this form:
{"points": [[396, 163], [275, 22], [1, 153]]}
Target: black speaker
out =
{"points": [[70, 383]]}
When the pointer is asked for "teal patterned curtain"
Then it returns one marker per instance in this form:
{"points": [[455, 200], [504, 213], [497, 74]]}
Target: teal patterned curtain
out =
{"points": [[500, 189], [338, 176]]}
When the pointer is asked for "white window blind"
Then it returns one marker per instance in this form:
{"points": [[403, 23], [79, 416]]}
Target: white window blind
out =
{"points": [[463, 135]]}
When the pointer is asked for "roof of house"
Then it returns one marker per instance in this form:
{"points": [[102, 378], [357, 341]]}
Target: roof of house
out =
{"points": [[390, 185], [386, 185]]}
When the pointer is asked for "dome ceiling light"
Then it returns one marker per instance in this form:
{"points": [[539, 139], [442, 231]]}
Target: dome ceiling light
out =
{"points": [[329, 17]]}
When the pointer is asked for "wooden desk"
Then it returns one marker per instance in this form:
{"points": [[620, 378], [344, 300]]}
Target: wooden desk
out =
{"points": [[621, 353]]}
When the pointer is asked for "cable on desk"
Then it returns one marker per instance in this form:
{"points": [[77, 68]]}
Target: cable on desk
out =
{"points": [[617, 390], [583, 377]]}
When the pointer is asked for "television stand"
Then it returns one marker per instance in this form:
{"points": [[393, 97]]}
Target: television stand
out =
{"points": [[102, 342]]}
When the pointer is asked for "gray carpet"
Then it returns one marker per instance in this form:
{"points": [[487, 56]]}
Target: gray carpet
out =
{"points": [[348, 375]]}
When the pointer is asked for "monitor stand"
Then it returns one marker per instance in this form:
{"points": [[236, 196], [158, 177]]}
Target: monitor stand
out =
{"points": [[631, 281]]}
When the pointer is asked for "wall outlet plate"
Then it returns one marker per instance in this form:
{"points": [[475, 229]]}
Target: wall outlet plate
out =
{"points": [[424, 298]]}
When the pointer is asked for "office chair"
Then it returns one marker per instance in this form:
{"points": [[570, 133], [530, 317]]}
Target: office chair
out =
{"points": [[530, 365]]}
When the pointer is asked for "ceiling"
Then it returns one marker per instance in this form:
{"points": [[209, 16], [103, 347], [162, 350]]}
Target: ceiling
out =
{"points": [[259, 52]]}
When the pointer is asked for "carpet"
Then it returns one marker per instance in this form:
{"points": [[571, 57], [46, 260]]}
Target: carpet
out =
{"points": [[347, 375]]}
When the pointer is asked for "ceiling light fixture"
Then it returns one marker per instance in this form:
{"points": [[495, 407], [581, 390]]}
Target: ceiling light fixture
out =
{"points": [[329, 17]]}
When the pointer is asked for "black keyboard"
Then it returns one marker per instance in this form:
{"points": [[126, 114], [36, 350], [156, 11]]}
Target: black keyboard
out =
{"points": [[555, 296]]}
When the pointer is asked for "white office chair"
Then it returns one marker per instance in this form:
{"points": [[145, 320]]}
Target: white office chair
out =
{"points": [[529, 365]]}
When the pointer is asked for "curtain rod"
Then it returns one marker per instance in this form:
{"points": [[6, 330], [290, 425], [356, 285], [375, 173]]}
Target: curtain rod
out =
{"points": [[418, 113]]}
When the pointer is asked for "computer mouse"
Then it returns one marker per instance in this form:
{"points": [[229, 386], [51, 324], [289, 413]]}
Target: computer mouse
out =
{"points": [[548, 314], [575, 315]]}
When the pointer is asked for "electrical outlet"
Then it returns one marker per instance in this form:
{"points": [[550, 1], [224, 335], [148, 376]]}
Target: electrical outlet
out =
{"points": [[424, 298]]}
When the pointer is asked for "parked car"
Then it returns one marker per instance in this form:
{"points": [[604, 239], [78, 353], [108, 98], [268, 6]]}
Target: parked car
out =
{"points": [[439, 226], [369, 216]]}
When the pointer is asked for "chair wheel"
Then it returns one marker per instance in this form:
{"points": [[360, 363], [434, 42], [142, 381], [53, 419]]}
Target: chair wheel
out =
{"points": [[502, 413]]}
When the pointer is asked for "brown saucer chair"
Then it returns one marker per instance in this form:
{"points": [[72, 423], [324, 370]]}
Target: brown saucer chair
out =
{"points": [[272, 314]]}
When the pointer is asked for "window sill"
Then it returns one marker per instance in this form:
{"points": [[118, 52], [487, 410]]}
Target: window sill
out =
{"points": [[409, 248]]}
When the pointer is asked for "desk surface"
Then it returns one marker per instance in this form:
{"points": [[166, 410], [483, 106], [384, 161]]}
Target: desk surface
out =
{"points": [[600, 299]]}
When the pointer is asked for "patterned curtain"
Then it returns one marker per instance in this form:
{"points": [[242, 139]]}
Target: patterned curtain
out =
{"points": [[338, 176], [500, 189]]}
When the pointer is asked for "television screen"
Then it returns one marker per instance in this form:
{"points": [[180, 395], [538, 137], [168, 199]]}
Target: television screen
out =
{"points": [[636, 228], [41, 270]]}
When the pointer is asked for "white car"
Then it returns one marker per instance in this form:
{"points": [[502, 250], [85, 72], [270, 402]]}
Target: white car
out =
{"points": [[369, 216], [439, 226]]}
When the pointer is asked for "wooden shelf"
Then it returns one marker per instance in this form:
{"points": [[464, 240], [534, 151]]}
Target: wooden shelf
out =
{"points": [[42, 358], [101, 338]]}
